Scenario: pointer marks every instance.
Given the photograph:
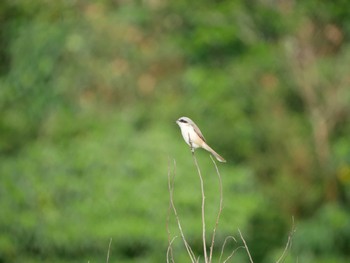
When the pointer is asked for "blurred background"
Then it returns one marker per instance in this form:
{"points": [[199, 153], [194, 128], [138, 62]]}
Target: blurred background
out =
{"points": [[89, 95]]}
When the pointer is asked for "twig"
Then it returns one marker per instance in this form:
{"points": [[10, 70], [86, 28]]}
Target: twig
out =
{"points": [[170, 251], [203, 199], [289, 242], [232, 253], [223, 248], [220, 210], [109, 249], [246, 247], [171, 190], [203, 208]]}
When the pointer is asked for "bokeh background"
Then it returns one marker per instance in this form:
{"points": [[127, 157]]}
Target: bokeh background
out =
{"points": [[90, 91]]}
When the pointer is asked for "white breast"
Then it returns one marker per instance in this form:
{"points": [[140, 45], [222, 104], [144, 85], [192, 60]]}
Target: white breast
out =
{"points": [[188, 133]]}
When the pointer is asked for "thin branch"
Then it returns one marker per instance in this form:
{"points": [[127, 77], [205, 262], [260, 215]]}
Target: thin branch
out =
{"points": [[109, 249], [203, 199], [246, 247], [220, 210], [289, 242], [232, 253], [203, 208], [170, 251], [223, 248], [171, 191]]}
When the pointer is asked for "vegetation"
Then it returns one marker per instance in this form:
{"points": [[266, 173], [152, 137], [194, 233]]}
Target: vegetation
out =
{"points": [[89, 95]]}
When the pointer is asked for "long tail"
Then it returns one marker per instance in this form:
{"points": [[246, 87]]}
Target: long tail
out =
{"points": [[217, 156]]}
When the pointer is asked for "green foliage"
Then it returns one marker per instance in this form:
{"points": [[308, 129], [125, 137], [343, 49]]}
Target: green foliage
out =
{"points": [[90, 91], [327, 235]]}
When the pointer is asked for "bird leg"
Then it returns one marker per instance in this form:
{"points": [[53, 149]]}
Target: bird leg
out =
{"points": [[189, 140]]}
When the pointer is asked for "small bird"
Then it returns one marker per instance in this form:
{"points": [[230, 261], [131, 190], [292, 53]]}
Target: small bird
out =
{"points": [[194, 138]]}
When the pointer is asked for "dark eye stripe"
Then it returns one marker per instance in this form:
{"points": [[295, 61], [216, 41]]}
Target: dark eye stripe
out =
{"points": [[182, 120]]}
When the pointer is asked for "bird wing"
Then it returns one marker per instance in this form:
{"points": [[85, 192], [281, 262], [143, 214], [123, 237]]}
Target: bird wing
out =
{"points": [[198, 131]]}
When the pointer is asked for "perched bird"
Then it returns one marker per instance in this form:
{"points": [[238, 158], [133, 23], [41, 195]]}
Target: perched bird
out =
{"points": [[194, 138]]}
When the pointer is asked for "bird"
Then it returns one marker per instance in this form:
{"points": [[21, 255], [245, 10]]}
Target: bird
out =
{"points": [[194, 137]]}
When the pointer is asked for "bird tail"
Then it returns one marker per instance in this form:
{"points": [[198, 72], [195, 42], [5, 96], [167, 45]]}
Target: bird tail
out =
{"points": [[216, 155]]}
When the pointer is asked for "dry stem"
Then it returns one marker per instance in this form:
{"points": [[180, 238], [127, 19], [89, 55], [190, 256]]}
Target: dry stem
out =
{"points": [[170, 249], [246, 247], [171, 191], [220, 210], [187, 246], [289, 242], [169, 252], [223, 248], [109, 249], [203, 208]]}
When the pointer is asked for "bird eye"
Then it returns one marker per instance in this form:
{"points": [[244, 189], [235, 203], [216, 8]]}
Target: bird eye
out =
{"points": [[182, 120]]}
